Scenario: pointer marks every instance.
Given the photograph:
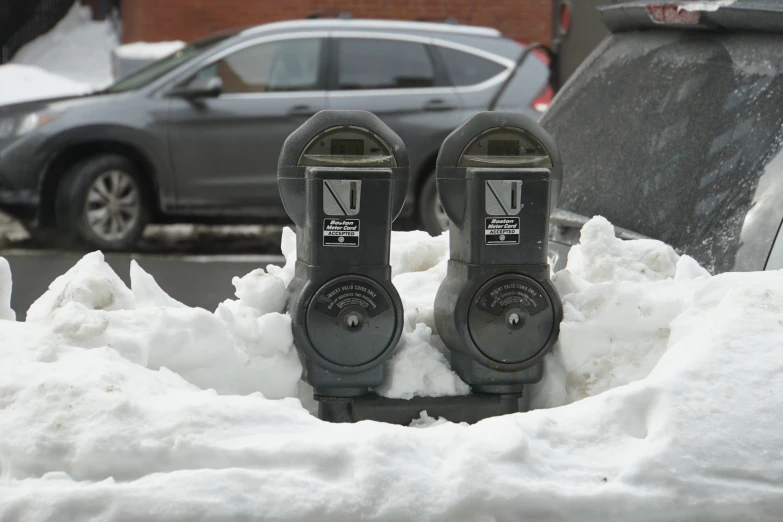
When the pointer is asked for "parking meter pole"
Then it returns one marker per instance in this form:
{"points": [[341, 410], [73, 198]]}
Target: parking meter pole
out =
{"points": [[498, 178], [343, 177]]}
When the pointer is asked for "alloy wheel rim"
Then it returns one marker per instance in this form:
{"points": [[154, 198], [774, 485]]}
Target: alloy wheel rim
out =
{"points": [[112, 208]]}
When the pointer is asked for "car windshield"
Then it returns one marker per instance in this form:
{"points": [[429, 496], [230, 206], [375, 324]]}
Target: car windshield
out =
{"points": [[157, 69], [667, 133]]}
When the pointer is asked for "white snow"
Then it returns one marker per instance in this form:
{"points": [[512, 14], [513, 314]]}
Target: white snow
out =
{"points": [[418, 368], [20, 83], [710, 5], [664, 399], [77, 48], [245, 347], [148, 51]]}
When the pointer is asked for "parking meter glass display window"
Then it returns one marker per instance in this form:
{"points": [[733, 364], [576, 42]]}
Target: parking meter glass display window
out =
{"points": [[347, 146], [505, 147]]}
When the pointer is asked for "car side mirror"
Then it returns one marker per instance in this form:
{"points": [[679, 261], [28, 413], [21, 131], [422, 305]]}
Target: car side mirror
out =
{"points": [[210, 87]]}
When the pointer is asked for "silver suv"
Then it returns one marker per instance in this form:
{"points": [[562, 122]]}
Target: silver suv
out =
{"points": [[196, 136]]}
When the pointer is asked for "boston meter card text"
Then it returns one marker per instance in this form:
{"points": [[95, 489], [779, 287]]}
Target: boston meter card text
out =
{"points": [[502, 231], [341, 232]]}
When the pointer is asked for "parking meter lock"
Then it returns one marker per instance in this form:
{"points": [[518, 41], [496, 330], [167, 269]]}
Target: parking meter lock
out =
{"points": [[498, 178], [343, 177]]}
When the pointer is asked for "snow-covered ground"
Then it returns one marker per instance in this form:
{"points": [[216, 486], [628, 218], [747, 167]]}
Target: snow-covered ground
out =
{"points": [[661, 402]]}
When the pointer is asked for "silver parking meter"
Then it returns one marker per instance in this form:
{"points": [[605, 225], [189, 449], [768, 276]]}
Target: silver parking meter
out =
{"points": [[343, 177], [498, 179]]}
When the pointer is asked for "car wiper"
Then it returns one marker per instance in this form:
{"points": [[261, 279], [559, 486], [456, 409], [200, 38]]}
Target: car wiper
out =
{"points": [[573, 221]]}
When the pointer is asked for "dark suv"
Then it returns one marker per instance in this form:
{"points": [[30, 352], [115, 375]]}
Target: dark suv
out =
{"points": [[673, 129], [195, 137]]}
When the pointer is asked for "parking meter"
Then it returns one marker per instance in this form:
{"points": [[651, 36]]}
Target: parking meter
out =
{"points": [[343, 177], [498, 178]]}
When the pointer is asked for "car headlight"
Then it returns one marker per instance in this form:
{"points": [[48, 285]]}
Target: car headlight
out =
{"points": [[34, 121], [10, 127]]}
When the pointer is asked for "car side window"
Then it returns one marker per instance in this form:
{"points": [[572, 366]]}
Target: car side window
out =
{"points": [[467, 69], [369, 63], [281, 66]]}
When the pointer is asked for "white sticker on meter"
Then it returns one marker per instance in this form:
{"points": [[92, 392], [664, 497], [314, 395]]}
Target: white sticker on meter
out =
{"points": [[502, 231], [341, 232]]}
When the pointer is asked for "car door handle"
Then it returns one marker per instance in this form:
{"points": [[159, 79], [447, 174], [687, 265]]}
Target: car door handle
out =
{"points": [[439, 104], [302, 110]]}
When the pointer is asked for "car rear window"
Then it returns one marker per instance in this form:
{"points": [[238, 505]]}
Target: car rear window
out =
{"points": [[667, 134], [467, 69]]}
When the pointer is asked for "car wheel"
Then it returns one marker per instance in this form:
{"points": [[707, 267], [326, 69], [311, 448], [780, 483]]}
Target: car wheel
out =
{"points": [[103, 202], [432, 217]]}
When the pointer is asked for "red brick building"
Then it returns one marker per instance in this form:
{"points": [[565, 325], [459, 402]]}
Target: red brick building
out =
{"points": [[188, 20]]}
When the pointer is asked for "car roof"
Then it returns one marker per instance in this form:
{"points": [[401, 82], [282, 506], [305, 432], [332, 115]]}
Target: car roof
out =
{"points": [[358, 24], [739, 15]]}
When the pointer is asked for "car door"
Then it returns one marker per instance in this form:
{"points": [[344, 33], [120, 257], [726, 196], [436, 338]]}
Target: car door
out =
{"points": [[397, 78], [224, 150]]}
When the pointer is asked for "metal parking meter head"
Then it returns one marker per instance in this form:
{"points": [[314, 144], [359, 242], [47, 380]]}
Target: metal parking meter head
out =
{"points": [[343, 178], [498, 178]]}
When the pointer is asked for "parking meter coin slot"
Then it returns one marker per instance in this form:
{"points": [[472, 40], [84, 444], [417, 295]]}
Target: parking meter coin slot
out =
{"points": [[341, 197], [502, 197]]}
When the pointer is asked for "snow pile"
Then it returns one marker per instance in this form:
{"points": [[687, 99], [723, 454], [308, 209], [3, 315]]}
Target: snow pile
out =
{"points": [[419, 368], [148, 51], [245, 347], [77, 48], [619, 300], [681, 372], [20, 83]]}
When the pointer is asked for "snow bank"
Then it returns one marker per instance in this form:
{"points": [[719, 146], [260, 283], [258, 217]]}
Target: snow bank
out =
{"points": [[619, 300], [20, 83], [77, 48], [148, 51], [245, 347], [680, 372]]}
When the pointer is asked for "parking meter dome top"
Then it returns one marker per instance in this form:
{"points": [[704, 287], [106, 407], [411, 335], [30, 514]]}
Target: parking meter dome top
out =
{"points": [[351, 139], [513, 140], [347, 146], [359, 133]]}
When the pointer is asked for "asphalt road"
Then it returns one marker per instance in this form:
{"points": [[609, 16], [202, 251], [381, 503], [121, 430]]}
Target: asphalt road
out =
{"points": [[196, 280]]}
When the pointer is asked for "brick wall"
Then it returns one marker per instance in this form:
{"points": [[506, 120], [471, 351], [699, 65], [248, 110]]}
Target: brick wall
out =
{"points": [[188, 20]]}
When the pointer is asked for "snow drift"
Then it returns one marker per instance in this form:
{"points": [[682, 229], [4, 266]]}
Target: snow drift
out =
{"points": [[662, 396]]}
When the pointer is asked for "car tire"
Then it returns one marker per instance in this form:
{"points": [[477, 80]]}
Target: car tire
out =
{"points": [[432, 217], [104, 202]]}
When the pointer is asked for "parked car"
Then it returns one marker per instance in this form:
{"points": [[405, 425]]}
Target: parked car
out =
{"points": [[195, 136], [673, 129]]}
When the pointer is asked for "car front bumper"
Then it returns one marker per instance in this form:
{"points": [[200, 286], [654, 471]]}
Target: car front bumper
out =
{"points": [[19, 194]]}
